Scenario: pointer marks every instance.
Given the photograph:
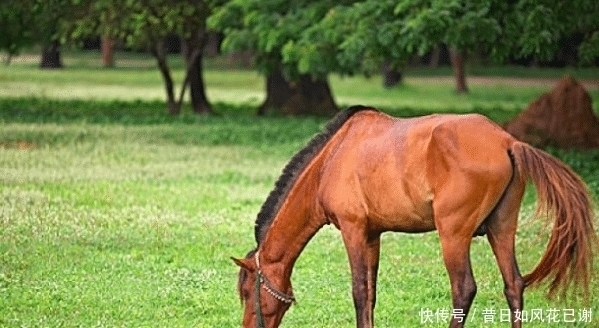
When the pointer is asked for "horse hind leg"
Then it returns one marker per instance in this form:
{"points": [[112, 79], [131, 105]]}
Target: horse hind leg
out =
{"points": [[456, 255], [457, 219], [501, 232]]}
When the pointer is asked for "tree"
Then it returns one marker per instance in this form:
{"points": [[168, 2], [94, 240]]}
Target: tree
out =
{"points": [[271, 30], [15, 21], [193, 45], [26, 22], [144, 24], [358, 37], [49, 15], [364, 35]]}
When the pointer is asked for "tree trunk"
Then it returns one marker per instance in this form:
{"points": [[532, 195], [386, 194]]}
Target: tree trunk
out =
{"points": [[51, 56], [107, 46], [8, 59], [435, 56], [192, 51], [277, 91], [173, 105], [212, 44], [457, 63], [306, 96], [391, 76]]}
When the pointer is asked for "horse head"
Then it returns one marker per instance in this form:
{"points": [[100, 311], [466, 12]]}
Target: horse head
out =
{"points": [[264, 304]]}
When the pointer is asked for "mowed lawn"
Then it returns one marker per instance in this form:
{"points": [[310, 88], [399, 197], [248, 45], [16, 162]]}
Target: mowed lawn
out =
{"points": [[499, 92], [115, 215]]}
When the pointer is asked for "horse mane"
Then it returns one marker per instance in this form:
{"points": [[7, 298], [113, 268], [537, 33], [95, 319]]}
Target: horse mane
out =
{"points": [[295, 166]]}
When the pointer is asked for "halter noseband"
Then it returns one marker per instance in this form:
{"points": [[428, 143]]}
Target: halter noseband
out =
{"points": [[261, 280]]}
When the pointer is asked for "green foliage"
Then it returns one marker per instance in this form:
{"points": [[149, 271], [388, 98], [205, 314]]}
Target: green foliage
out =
{"points": [[141, 24], [50, 15], [589, 48], [586, 164], [350, 37], [582, 18], [15, 23], [271, 30], [370, 32], [145, 25], [25, 22]]}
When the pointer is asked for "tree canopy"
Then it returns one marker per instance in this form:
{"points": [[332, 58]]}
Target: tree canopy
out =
{"points": [[356, 37], [27, 22], [144, 24], [15, 19], [267, 29], [274, 31], [363, 34]]}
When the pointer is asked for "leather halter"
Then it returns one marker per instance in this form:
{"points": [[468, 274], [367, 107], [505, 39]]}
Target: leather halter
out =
{"points": [[261, 280]]}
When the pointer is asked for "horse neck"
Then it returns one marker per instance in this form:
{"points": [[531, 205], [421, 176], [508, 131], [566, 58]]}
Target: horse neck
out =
{"points": [[297, 221]]}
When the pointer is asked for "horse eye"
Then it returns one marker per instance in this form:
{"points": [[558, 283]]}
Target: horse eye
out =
{"points": [[246, 293]]}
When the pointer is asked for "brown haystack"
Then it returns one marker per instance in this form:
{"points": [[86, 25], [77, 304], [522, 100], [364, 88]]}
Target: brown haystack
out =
{"points": [[562, 118]]}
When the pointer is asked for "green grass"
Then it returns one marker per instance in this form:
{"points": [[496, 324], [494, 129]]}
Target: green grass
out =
{"points": [[116, 225], [113, 214], [136, 79], [584, 73]]}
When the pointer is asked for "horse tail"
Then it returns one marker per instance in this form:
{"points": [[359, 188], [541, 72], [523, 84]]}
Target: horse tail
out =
{"points": [[563, 196]]}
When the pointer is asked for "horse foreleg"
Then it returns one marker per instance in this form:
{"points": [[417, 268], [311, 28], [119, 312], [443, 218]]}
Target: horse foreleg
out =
{"points": [[456, 255], [363, 256]]}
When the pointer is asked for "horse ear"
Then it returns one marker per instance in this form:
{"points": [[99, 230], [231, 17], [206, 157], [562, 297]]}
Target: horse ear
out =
{"points": [[243, 263]]}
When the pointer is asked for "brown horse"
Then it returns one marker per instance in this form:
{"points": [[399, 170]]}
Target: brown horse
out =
{"points": [[461, 175]]}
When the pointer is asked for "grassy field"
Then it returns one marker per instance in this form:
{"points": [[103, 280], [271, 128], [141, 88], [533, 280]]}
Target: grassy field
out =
{"points": [[113, 214], [499, 94]]}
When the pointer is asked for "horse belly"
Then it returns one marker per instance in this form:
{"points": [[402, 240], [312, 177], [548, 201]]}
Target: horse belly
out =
{"points": [[400, 210], [384, 208]]}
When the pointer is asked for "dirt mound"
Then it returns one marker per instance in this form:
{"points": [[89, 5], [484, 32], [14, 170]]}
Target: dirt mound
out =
{"points": [[562, 118], [21, 145]]}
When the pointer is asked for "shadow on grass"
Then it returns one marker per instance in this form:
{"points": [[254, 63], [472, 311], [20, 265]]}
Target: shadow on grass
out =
{"points": [[234, 125], [45, 110], [141, 112]]}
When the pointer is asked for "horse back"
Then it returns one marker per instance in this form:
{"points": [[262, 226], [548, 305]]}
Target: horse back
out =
{"points": [[386, 172]]}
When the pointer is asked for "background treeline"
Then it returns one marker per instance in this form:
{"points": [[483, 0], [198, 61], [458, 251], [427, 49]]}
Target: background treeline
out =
{"points": [[297, 45]]}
